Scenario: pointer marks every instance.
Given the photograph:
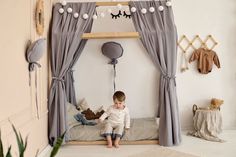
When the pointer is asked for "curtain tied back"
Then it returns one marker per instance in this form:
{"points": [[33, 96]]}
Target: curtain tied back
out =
{"points": [[159, 37], [66, 47]]}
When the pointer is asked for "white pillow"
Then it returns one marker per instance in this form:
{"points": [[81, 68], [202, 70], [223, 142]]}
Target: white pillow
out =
{"points": [[83, 105], [71, 111], [157, 121], [99, 109]]}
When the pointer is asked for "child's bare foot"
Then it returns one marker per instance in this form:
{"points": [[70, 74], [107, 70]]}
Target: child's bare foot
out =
{"points": [[109, 145], [116, 144], [109, 142]]}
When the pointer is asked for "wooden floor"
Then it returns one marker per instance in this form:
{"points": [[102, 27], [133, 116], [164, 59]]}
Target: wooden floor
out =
{"points": [[143, 142]]}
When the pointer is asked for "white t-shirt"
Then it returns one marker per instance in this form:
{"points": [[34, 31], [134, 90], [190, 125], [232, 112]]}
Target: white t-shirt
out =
{"points": [[119, 116]]}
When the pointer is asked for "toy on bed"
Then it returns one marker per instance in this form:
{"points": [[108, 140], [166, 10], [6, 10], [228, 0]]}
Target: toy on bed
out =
{"points": [[76, 115], [87, 112]]}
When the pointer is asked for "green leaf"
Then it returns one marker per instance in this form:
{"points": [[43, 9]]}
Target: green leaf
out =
{"points": [[9, 152], [17, 139], [1, 147], [57, 145], [20, 142], [37, 153], [26, 142]]}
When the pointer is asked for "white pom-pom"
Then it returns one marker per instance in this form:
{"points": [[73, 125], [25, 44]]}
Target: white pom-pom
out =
{"points": [[95, 17], [61, 10], [63, 3], [119, 6], [151, 9], [168, 3], [109, 10], [69, 10], [114, 0], [102, 14], [76, 15], [85, 16], [161, 8], [144, 11], [133, 9]]}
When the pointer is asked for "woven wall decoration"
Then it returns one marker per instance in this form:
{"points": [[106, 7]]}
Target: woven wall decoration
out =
{"points": [[185, 45]]}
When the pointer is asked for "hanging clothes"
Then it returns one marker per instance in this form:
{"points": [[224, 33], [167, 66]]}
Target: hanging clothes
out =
{"points": [[205, 58]]}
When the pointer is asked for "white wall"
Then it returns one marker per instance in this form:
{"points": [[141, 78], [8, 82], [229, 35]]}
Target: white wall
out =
{"points": [[137, 76], [214, 17]]}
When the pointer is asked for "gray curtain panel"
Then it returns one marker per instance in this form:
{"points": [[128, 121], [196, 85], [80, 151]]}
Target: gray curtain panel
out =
{"points": [[69, 77], [159, 37], [66, 47]]}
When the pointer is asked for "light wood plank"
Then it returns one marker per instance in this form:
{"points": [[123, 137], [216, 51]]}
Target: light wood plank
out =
{"points": [[143, 142], [111, 3], [106, 35]]}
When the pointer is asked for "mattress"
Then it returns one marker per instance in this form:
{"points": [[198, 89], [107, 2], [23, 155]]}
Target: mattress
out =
{"points": [[140, 129]]}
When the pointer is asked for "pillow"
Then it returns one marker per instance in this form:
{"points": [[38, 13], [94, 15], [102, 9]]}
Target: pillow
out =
{"points": [[71, 112], [80, 117], [158, 121], [99, 109], [83, 105]]}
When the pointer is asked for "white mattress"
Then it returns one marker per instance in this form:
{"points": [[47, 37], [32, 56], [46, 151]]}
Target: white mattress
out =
{"points": [[140, 129]]}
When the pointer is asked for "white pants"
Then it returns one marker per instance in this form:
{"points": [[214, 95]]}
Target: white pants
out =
{"points": [[113, 128]]}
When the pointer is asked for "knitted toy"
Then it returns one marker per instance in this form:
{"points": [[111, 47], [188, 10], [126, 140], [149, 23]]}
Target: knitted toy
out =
{"points": [[215, 103], [89, 114]]}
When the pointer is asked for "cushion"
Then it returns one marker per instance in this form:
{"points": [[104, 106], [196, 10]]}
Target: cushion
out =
{"points": [[101, 108], [83, 105], [71, 112], [80, 117]]}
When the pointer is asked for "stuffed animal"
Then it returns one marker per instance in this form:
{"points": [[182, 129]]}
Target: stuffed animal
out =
{"points": [[215, 103], [90, 115]]}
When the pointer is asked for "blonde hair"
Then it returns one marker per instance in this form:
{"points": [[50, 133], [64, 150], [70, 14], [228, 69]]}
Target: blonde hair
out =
{"points": [[119, 95]]}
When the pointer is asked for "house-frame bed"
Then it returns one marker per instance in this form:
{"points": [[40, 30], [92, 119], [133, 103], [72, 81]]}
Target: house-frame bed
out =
{"points": [[158, 34]]}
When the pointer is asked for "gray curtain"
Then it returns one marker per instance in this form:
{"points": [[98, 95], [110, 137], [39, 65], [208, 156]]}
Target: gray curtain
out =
{"points": [[69, 77], [66, 47], [159, 37]]}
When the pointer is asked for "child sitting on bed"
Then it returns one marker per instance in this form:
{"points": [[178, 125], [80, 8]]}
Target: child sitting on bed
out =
{"points": [[118, 118]]}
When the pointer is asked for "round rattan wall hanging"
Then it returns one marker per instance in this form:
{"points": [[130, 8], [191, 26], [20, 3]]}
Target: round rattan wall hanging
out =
{"points": [[39, 17]]}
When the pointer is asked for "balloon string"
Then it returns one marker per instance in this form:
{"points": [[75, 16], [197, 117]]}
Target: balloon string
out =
{"points": [[114, 66]]}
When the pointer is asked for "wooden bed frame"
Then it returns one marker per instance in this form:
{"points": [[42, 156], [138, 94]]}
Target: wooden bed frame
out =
{"points": [[143, 142], [108, 35]]}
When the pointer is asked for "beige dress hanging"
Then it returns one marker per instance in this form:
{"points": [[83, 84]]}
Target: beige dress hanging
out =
{"points": [[205, 58]]}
